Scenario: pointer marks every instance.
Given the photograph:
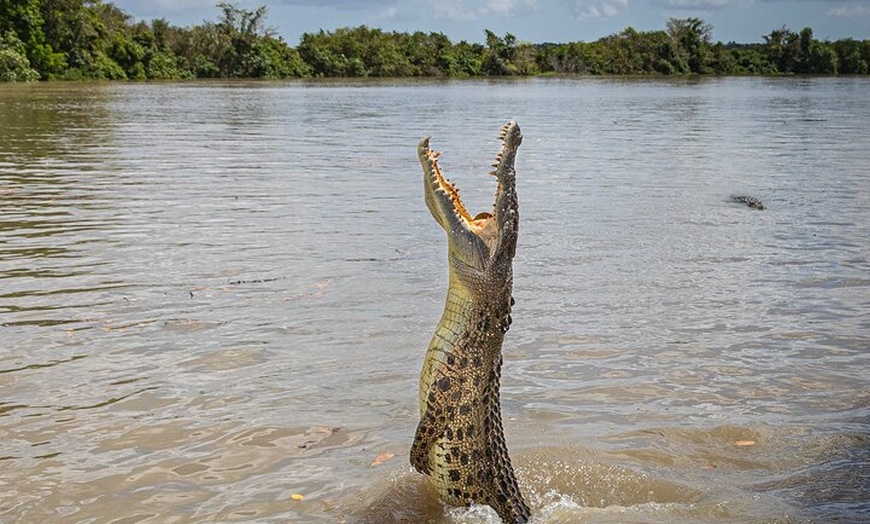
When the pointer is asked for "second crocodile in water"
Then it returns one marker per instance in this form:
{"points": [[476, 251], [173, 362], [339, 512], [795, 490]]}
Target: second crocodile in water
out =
{"points": [[460, 442]]}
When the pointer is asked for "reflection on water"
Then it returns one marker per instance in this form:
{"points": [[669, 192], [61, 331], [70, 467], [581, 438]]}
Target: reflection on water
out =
{"points": [[215, 297]]}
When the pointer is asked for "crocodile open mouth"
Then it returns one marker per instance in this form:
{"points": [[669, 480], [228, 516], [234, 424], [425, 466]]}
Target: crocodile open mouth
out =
{"points": [[510, 138]]}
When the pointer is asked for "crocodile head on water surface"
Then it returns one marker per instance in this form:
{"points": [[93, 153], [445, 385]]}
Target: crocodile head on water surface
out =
{"points": [[459, 441], [748, 201]]}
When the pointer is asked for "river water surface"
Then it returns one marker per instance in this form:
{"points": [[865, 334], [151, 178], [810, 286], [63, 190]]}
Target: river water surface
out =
{"points": [[215, 298]]}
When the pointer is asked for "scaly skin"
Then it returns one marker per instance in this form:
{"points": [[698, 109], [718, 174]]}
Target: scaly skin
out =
{"points": [[460, 441]]}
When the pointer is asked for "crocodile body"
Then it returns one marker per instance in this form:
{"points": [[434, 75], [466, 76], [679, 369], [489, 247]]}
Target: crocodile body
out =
{"points": [[459, 441]]}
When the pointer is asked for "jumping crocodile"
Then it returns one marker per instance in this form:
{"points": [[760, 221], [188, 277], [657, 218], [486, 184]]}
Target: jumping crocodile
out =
{"points": [[459, 441]]}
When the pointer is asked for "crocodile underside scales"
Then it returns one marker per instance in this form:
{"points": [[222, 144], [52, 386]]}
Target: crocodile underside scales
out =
{"points": [[459, 441]]}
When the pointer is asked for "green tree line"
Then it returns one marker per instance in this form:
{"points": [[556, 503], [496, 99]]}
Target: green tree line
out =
{"points": [[90, 39]]}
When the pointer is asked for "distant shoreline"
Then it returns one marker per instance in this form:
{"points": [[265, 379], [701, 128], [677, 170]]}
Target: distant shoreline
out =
{"points": [[101, 42]]}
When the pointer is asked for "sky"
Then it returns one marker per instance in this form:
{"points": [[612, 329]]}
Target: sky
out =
{"points": [[537, 21]]}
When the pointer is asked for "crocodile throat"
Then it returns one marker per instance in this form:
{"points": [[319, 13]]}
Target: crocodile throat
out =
{"points": [[460, 442]]}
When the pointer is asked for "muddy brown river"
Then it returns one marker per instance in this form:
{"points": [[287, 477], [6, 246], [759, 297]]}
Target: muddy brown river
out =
{"points": [[215, 298]]}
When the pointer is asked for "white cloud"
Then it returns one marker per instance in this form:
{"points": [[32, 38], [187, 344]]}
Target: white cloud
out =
{"points": [[167, 8], [342, 5], [464, 11], [699, 4], [849, 11], [455, 10], [587, 9], [509, 7], [503, 7], [389, 13]]}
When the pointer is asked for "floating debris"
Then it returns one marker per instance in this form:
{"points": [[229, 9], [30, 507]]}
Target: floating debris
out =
{"points": [[380, 459]]}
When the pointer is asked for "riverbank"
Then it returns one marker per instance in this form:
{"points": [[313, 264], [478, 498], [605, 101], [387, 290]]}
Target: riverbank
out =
{"points": [[36, 44]]}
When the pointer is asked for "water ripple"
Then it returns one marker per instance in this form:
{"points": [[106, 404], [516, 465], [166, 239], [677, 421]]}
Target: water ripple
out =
{"points": [[216, 295]]}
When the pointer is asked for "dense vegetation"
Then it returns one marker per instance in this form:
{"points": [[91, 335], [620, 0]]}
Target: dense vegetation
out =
{"points": [[90, 39]]}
